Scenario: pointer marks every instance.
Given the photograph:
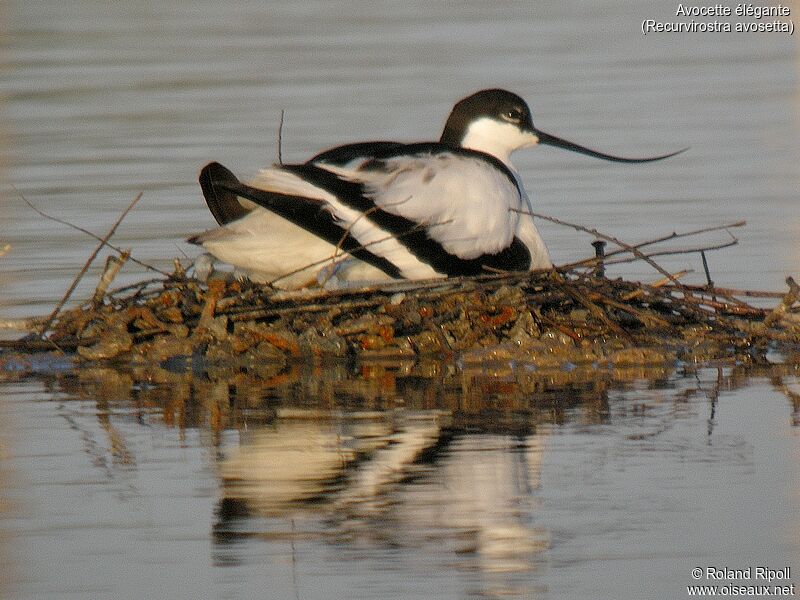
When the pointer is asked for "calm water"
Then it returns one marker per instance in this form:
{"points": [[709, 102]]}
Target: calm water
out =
{"points": [[398, 481]]}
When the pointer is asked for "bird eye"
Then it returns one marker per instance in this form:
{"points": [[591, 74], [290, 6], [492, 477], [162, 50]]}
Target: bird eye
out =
{"points": [[514, 115]]}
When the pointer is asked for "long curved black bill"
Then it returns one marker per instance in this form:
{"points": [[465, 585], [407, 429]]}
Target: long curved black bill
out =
{"points": [[551, 140]]}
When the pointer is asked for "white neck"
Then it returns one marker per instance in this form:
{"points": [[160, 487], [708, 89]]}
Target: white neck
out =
{"points": [[497, 138]]}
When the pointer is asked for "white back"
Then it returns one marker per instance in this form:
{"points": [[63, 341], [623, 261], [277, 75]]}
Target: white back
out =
{"points": [[465, 202]]}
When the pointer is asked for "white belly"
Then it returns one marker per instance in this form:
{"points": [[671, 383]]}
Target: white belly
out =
{"points": [[271, 249]]}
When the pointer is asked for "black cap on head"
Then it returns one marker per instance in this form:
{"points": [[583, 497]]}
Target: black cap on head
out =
{"points": [[507, 106], [494, 103]]}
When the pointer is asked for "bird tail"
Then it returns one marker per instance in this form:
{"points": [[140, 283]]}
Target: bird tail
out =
{"points": [[216, 182]]}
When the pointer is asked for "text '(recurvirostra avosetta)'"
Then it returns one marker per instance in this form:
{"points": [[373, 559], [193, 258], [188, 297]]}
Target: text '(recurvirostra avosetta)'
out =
{"points": [[742, 18]]}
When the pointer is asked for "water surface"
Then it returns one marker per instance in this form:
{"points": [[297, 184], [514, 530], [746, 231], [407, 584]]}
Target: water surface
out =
{"points": [[397, 481], [389, 481]]}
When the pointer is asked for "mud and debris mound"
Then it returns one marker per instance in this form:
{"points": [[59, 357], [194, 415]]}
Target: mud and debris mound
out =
{"points": [[544, 318]]}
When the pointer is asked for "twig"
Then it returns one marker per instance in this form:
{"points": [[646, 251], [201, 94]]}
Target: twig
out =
{"points": [[349, 228], [31, 324], [705, 268], [316, 263], [572, 291], [28, 345], [792, 296], [87, 232], [694, 250], [665, 238], [675, 236], [739, 309], [342, 239], [113, 265], [656, 284], [280, 139], [85, 268], [648, 320], [608, 238], [736, 292]]}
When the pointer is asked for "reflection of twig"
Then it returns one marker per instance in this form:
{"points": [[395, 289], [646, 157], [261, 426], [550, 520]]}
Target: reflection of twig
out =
{"points": [[117, 444], [85, 268], [713, 396], [793, 397], [294, 557]]}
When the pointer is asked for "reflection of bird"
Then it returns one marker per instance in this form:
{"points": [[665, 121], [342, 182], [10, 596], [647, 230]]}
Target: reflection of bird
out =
{"points": [[469, 495], [286, 467], [402, 210], [488, 506], [281, 468]]}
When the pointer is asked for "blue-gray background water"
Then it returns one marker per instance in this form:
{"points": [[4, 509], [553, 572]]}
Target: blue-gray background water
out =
{"points": [[616, 493]]}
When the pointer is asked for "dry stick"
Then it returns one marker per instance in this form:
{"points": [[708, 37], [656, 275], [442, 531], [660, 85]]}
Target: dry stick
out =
{"points": [[79, 276], [346, 233], [608, 238], [426, 289], [360, 298], [139, 286], [792, 296], [694, 250], [414, 229], [673, 236], [736, 292], [30, 324], [433, 286], [28, 345], [87, 232], [596, 311], [705, 268], [340, 243], [562, 268], [645, 318], [280, 139], [113, 265], [656, 284]]}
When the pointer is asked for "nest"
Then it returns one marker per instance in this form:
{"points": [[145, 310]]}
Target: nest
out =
{"points": [[570, 315], [546, 318]]}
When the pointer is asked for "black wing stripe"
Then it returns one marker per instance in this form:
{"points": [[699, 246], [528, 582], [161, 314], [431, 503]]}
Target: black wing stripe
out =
{"points": [[415, 239], [341, 155], [307, 214]]}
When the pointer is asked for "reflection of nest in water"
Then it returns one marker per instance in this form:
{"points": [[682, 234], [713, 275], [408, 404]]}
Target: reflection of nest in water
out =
{"points": [[548, 319]]}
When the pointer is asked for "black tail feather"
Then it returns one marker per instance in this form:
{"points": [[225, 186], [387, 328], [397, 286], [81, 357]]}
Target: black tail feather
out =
{"points": [[222, 203], [221, 189]]}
